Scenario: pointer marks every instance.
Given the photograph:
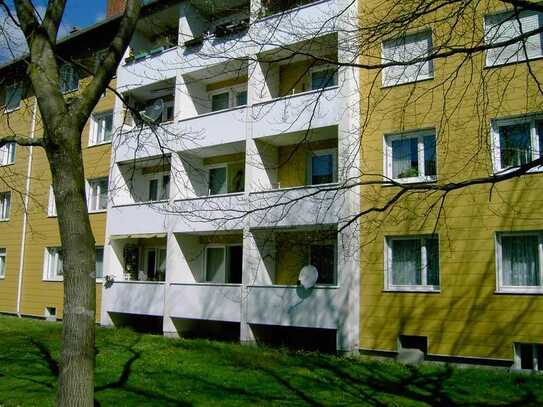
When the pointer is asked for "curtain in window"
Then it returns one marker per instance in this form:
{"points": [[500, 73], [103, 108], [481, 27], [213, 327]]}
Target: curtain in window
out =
{"points": [[406, 262], [520, 260], [405, 161], [432, 261], [515, 145]]}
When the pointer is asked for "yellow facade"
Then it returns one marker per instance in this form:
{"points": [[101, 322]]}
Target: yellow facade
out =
{"points": [[466, 317]]}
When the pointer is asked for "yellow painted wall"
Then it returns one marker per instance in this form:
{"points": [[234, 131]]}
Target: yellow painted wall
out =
{"points": [[467, 317]]}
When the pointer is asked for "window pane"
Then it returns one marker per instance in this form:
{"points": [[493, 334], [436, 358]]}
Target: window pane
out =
{"points": [[102, 198], [217, 181], [13, 97], [99, 262], [429, 155], [7, 154], [526, 356], [165, 192], [151, 265], [323, 79], [220, 102], [520, 260], [235, 264], [108, 127], [215, 267], [161, 275], [153, 190], [322, 169], [515, 145], [405, 161], [323, 258], [539, 129], [5, 204], [432, 260], [406, 262], [241, 98], [2, 262]]}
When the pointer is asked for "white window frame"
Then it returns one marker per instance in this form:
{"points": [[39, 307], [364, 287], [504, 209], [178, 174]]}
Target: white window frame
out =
{"points": [[95, 128], [208, 171], [405, 80], [518, 360], [157, 251], [319, 68], [5, 206], [225, 259], [335, 261], [91, 185], [100, 279], [18, 86], [8, 154], [424, 287], [232, 93], [316, 153], [51, 204], [521, 55], [51, 259], [388, 162], [73, 72], [159, 177], [495, 141], [3, 258], [500, 287]]}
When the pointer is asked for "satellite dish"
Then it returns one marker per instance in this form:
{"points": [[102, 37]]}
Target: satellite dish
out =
{"points": [[153, 112], [308, 276]]}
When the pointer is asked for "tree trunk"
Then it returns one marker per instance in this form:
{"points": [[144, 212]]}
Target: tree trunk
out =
{"points": [[76, 377]]}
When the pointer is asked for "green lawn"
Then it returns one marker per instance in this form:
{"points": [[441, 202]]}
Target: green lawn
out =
{"points": [[135, 369]]}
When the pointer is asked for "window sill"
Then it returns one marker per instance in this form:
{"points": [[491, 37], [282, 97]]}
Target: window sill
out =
{"points": [[53, 280], [395, 85], [97, 211], [67, 92], [509, 63], [52, 216], [519, 291], [7, 165], [105, 143], [2, 277], [410, 181], [4, 220], [413, 289], [507, 170], [12, 110]]}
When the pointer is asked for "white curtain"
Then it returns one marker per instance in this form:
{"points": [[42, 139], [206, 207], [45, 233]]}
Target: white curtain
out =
{"points": [[520, 260], [406, 262]]}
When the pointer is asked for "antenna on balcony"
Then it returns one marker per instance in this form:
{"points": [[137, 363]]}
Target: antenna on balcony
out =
{"points": [[308, 276], [153, 112]]}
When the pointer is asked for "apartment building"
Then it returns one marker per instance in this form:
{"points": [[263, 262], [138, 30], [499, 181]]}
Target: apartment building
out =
{"points": [[30, 252]]}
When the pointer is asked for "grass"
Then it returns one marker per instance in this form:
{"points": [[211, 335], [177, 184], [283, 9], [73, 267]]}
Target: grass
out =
{"points": [[136, 369]]}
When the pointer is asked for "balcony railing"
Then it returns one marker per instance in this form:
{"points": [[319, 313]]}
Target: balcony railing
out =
{"points": [[131, 297]]}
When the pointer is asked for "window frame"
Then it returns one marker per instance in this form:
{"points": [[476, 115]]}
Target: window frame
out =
{"points": [[500, 287], [159, 178], [495, 126], [388, 159], [51, 203], [157, 250], [95, 199], [73, 72], [95, 128], [320, 68], [424, 264], [9, 154], [517, 358], [208, 169], [51, 257], [523, 57], [387, 83], [96, 248], [3, 262], [232, 94], [335, 261], [316, 153], [5, 196], [225, 247], [18, 86]]}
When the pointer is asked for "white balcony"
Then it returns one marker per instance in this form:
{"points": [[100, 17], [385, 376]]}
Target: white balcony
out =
{"points": [[313, 109], [214, 302], [133, 297], [138, 219], [296, 206], [294, 306], [208, 214], [143, 142]]}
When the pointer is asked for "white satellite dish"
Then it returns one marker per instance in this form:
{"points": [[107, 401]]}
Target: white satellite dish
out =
{"points": [[308, 276], [153, 112]]}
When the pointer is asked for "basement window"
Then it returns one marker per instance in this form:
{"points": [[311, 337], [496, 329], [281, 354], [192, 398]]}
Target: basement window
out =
{"points": [[528, 356], [413, 342]]}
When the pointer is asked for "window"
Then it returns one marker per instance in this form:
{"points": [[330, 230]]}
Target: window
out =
{"points": [[99, 269], [7, 153], [411, 157], [51, 205], [507, 26], [101, 128], [155, 264], [53, 264], [228, 98], [159, 188], [69, 78], [516, 142], [323, 167], [412, 263], [323, 258], [14, 94], [217, 181], [518, 257], [2, 263], [5, 205], [528, 356], [401, 51], [224, 264], [98, 194], [226, 178], [323, 77]]}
